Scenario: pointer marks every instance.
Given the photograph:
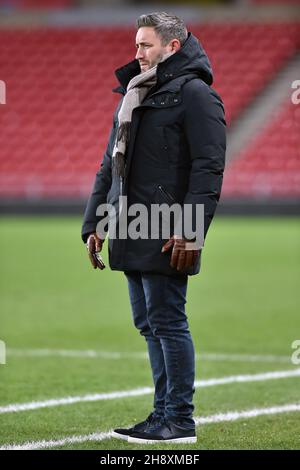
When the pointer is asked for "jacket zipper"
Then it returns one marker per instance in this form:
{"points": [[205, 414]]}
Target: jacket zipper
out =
{"points": [[166, 193]]}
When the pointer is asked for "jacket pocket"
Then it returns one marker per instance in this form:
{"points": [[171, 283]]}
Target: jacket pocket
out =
{"points": [[171, 215], [169, 194]]}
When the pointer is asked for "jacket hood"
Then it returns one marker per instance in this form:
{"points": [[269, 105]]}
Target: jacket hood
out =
{"points": [[190, 58]]}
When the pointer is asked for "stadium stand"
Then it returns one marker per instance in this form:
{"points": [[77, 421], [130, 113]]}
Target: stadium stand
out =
{"points": [[270, 165], [39, 4], [55, 124]]}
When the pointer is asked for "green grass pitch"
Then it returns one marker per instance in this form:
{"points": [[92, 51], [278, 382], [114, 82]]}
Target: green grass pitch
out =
{"points": [[245, 301]]}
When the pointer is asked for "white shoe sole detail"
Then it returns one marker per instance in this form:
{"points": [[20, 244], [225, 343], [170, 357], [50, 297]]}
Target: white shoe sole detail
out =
{"points": [[178, 440], [119, 436]]}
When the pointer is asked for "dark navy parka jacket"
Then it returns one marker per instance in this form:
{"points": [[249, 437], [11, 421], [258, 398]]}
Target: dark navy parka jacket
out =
{"points": [[176, 153]]}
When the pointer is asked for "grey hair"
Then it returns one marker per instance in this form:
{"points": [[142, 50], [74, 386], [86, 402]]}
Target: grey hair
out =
{"points": [[166, 25]]}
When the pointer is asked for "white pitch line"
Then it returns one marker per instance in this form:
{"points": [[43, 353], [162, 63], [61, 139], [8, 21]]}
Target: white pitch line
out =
{"points": [[93, 354], [89, 353], [253, 413], [227, 357], [146, 390], [74, 399], [230, 416]]}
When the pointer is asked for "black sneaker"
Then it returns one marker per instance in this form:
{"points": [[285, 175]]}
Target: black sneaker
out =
{"points": [[123, 433], [168, 432]]}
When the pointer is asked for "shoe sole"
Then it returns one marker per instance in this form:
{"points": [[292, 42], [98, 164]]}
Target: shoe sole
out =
{"points": [[124, 437], [178, 440]]}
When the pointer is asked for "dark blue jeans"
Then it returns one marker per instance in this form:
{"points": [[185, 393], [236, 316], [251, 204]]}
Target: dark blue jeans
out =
{"points": [[158, 307]]}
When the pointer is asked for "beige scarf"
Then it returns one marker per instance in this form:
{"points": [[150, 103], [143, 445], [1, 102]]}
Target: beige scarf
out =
{"points": [[137, 89]]}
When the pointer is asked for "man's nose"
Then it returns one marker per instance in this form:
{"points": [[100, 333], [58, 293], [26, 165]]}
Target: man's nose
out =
{"points": [[139, 53]]}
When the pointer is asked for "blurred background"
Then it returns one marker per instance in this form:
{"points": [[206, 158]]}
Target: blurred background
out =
{"points": [[57, 61]]}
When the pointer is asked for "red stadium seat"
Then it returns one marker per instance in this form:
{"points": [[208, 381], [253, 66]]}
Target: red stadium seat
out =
{"points": [[270, 165], [55, 125]]}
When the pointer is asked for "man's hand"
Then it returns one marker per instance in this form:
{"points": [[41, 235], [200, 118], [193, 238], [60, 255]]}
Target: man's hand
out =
{"points": [[94, 246], [184, 254]]}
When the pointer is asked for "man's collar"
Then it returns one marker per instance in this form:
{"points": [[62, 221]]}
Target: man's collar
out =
{"points": [[125, 73]]}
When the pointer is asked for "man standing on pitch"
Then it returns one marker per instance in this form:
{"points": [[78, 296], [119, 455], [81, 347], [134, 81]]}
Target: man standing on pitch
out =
{"points": [[167, 145]]}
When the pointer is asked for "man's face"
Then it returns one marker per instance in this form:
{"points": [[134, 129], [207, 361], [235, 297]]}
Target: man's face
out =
{"points": [[150, 50]]}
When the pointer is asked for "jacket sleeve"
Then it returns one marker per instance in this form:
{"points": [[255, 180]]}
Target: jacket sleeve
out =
{"points": [[204, 127], [102, 185]]}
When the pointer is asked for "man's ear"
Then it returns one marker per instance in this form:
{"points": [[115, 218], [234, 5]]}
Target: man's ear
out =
{"points": [[175, 45]]}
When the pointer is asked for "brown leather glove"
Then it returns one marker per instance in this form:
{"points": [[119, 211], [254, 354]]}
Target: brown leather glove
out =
{"points": [[183, 255], [94, 246]]}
